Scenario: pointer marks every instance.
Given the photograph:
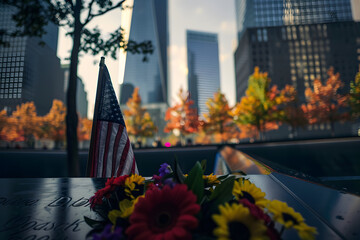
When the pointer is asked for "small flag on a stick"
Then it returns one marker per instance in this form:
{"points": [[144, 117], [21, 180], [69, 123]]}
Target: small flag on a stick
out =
{"points": [[110, 152]]}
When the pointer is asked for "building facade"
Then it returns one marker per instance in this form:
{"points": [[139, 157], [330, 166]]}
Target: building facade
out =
{"points": [[203, 67], [308, 39], [26, 68], [269, 13], [299, 54], [149, 22], [81, 94]]}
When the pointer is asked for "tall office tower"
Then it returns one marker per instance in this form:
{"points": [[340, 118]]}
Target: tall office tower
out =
{"points": [[27, 69], [81, 94], [310, 37], [268, 13], [203, 67], [148, 21], [299, 54]]}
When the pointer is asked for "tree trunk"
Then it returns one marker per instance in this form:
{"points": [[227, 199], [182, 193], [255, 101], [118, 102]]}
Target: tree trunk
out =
{"points": [[332, 126], [293, 131], [222, 133], [258, 127], [71, 115]]}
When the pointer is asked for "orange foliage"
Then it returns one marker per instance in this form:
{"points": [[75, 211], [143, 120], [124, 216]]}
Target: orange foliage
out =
{"points": [[53, 124], [3, 123], [292, 113], [324, 101], [84, 129], [182, 117], [12, 132], [203, 138], [24, 124]]}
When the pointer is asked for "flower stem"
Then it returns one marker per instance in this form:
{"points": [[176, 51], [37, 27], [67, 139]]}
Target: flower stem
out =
{"points": [[282, 230]]}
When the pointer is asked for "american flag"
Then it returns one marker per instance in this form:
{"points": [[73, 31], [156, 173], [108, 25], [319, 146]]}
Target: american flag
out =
{"points": [[110, 152]]}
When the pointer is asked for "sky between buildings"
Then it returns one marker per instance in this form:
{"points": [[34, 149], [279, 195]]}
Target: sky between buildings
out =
{"points": [[200, 15]]}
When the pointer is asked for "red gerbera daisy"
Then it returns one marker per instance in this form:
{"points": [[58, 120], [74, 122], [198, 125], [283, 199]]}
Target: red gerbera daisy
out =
{"points": [[164, 214], [110, 186]]}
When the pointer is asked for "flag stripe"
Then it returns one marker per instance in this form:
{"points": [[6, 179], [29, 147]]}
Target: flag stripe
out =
{"points": [[122, 144], [106, 150], [123, 157], [103, 130], [128, 161], [96, 148], [133, 166], [114, 131], [116, 146]]}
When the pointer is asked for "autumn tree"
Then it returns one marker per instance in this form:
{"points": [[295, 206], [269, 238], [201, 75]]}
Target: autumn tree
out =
{"points": [[53, 123], [324, 103], [248, 131], [24, 123], [354, 97], [138, 121], [3, 122], [290, 111], [12, 132], [259, 107], [182, 119], [218, 119], [84, 129], [32, 16]]}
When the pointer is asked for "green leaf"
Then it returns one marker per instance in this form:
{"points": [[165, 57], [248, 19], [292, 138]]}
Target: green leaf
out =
{"points": [[94, 223], [203, 165], [195, 181], [178, 173], [223, 192]]}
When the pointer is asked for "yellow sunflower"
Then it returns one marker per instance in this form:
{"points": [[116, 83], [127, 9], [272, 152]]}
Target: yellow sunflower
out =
{"points": [[126, 207], [131, 183], [290, 219], [236, 222], [305, 232], [211, 179], [243, 188]]}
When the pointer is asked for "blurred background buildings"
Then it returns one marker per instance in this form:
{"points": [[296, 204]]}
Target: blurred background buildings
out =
{"points": [[28, 68], [147, 20], [81, 94], [203, 67], [297, 42]]}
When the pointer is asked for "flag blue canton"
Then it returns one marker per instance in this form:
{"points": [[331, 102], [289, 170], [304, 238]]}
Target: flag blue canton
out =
{"points": [[109, 109]]}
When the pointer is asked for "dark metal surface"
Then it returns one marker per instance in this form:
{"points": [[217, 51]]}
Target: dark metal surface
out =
{"points": [[230, 160], [53, 208], [339, 210], [48, 208]]}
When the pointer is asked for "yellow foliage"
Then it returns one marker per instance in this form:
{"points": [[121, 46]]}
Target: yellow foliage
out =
{"points": [[138, 121]]}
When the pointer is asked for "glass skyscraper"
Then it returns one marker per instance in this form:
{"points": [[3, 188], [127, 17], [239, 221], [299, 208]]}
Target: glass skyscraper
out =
{"points": [[297, 42], [149, 21], [26, 68], [203, 67], [267, 13]]}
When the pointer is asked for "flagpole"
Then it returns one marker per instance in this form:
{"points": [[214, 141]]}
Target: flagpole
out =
{"points": [[100, 86]]}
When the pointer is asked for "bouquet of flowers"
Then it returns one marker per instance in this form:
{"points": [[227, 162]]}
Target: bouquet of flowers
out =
{"points": [[172, 205]]}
